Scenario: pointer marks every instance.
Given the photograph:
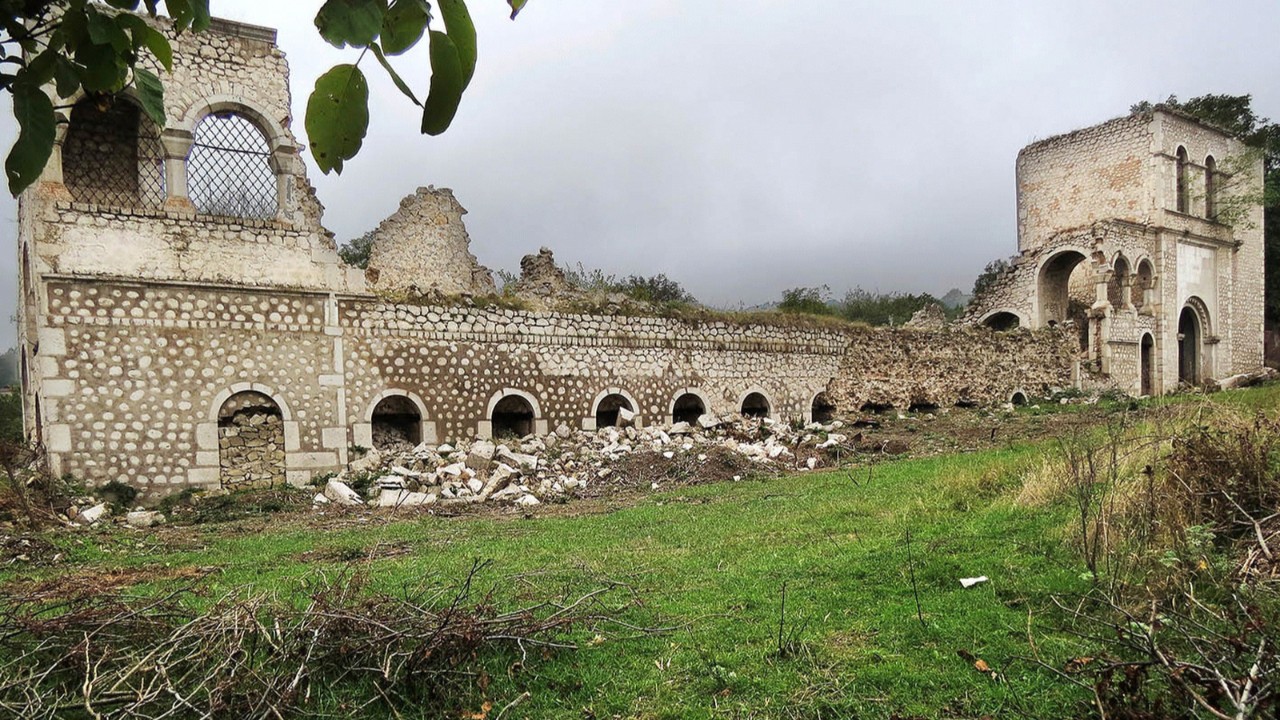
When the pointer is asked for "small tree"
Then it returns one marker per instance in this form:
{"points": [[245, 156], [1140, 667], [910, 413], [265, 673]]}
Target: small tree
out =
{"points": [[356, 252], [987, 279], [807, 300]]}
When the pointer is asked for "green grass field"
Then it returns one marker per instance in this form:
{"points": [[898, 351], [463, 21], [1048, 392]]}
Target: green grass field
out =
{"points": [[710, 562]]}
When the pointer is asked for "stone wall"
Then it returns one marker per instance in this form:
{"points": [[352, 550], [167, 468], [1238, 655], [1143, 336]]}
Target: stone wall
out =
{"points": [[143, 381], [424, 247], [1074, 180]]}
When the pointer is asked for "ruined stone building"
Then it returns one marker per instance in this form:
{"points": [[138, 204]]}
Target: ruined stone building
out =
{"points": [[1141, 234], [186, 321]]}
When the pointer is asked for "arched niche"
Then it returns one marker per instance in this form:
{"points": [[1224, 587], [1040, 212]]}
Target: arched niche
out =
{"points": [[251, 441], [688, 405]]}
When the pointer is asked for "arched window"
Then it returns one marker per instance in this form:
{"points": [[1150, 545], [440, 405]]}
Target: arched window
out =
{"points": [[229, 169], [1210, 188], [1143, 281], [251, 441], [1118, 291], [112, 155], [1184, 201]]}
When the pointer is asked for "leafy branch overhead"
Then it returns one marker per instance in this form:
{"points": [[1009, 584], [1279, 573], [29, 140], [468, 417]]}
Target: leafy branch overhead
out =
{"points": [[74, 46], [338, 110], [59, 49]]}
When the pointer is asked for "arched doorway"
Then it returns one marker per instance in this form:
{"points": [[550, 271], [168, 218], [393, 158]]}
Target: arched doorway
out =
{"points": [[1065, 290], [822, 409], [609, 409], [688, 408], [513, 417], [250, 441], [1148, 365], [1190, 342], [397, 424], [755, 405]]}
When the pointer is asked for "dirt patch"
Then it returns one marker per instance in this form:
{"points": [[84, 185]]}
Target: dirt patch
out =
{"points": [[87, 583], [27, 551]]}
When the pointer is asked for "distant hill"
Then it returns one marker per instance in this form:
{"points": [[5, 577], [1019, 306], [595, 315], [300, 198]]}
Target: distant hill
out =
{"points": [[955, 298]]}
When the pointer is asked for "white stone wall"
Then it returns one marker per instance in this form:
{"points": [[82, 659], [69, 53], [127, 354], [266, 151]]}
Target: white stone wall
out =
{"points": [[1074, 180], [425, 247]]}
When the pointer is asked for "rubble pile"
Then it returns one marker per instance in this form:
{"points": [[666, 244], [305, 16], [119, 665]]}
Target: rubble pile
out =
{"points": [[568, 463]]}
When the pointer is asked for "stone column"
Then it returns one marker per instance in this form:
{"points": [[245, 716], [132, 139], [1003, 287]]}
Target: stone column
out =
{"points": [[283, 164], [177, 146]]}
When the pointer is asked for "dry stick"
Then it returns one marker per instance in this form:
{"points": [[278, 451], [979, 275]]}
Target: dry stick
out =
{"points": [[519, 699], [782, 616], [911, 566]]}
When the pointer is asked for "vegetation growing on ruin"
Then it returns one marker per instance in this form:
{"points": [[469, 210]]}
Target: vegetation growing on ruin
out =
{"points": [[1142, 529], [860, 306]]}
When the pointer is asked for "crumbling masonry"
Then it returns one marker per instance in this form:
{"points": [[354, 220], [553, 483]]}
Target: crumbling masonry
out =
{"points": [[186, 320]]}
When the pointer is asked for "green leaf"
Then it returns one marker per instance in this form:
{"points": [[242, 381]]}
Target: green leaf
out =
{"points": [[337, 116], [41, 68], [150, 94], [516, 7], [446, 85], [153, 40], [404, 25], [193, 14], [395, 76], [101, 68], [104, 30], [34, 112], [457, 22], [67, 77], [351, 22]]}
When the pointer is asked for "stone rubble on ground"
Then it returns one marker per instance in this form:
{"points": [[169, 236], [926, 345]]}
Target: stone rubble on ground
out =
{"points": [[531, 470]]}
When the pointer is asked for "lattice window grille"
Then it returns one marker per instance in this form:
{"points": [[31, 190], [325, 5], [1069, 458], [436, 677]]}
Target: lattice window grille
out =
{"points": [[229, 169], [112, 156]]}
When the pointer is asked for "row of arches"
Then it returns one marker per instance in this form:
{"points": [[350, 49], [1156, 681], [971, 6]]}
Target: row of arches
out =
{"points": [[1066, 290], [114, 155], [401, 415]]}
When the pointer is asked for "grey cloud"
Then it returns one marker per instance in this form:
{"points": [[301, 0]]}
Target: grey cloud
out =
{"points": [[746, 147]]}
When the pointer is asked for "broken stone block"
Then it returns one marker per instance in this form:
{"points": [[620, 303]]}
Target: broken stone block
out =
{"points": [[404, 498], [680, 428], [515, 459], [144, 519], [481, 455], [626, 418], [92, 515], [371, 461], [528, 501], [340, 493]]}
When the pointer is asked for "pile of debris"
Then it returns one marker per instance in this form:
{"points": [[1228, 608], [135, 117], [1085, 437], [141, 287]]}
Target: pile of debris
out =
{"points": [[567, 463]]}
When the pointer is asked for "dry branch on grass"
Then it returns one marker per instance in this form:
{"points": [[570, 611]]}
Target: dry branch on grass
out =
{"points": [[338, 648]]}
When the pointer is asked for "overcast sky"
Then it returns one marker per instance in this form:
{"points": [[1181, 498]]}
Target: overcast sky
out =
{"points": [[744, 147]]}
